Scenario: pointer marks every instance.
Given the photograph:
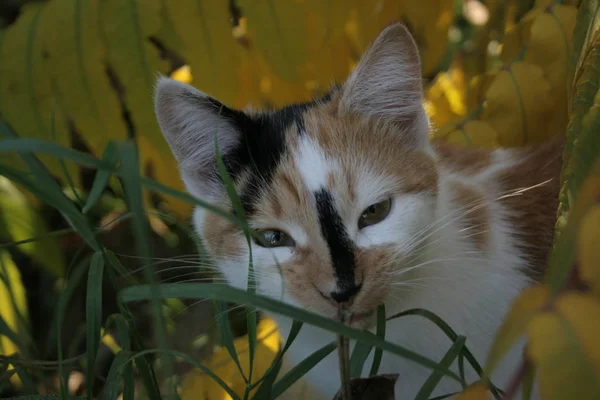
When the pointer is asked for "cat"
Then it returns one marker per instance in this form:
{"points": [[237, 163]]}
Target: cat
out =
{"points": [[354, 206]]}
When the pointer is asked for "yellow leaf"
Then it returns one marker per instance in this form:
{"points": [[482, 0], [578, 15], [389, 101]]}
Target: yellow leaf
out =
{"points": [[429, 21], [445, 97], [589, 248], [475, 392], [550, 49], [19, 220], [76, 66], [518, 105], [207, 45], [199, 386], [13, 305], [565, 349], [515, 323], [516, 38], [278, 29], [26, 92], [473, 133]]}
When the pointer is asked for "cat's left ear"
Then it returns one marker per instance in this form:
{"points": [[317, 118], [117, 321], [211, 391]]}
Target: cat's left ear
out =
{"points": [[387, 82]]}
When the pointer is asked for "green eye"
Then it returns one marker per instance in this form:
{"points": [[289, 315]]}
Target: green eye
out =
{"points": [[273, 238], [375, 213]]}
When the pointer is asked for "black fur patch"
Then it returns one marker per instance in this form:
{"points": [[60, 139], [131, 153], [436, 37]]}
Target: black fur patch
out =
{"points": [[339, 243]]}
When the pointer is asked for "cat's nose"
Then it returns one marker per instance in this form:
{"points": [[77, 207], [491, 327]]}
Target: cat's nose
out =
{"points": [[345, 295]]}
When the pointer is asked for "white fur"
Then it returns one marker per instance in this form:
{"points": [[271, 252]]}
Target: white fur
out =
{"points": [[312, 164]]}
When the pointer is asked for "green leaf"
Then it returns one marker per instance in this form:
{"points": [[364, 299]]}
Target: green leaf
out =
{"points": [[446, 362], [93, 315], [51, 194], [227, 293], [129, 169], [48, 190], [359, 355], [125, 342], [112, 386], [222, 317], [381, 333], [301, 369], [102, 177], [19, 221]]}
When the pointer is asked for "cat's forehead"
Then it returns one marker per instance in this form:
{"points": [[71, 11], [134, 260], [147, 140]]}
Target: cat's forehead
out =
{"points": [[355, 160]]}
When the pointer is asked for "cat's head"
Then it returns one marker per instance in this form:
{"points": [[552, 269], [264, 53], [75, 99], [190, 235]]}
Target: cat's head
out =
{"points": [[337, 188]]}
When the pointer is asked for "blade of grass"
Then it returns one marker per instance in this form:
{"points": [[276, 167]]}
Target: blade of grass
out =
{"points": [[49, 192], [102, 176], [251, 285], [446, 362], [452, 335], [144, 364], [129, 169], [63, 165], [29, 386], [191, 361], [228, 293], [125, 342], [115, 374], [93, 315], [381, 333], [9, 334], [26, 147], [301, 369], [294, 331], [357, 361], [222, 317]]}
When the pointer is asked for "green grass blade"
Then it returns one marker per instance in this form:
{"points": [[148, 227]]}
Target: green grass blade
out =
{"points": [[301, 369], [125, 342], [29, 385], [251, 284], [446, 362], [222, 317], [115, 374], [48, 191], [357, 361], [452, 335], [227, 293], [144, 364], [265, 391], [77, 270], [102, 176], [130, 173], [93, 315], [191, 361], [275, 366], [381, 333], [26, 147], [8, 333]]}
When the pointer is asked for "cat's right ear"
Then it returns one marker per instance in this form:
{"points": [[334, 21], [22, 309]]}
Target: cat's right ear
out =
{"points": [[190, 120]]}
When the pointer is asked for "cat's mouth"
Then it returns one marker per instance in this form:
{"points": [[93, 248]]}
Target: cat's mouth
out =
{"points": [[360, 320]]}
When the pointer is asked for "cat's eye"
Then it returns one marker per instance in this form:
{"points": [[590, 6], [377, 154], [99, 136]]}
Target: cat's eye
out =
{"points": [[273, 238], [375, 213]]}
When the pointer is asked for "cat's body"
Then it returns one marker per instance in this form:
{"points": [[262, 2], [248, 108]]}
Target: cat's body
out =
{"points": [[357, 208]]}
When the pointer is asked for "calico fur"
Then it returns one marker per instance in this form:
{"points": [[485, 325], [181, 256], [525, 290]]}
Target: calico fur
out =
{"points": [[467, 231]]}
